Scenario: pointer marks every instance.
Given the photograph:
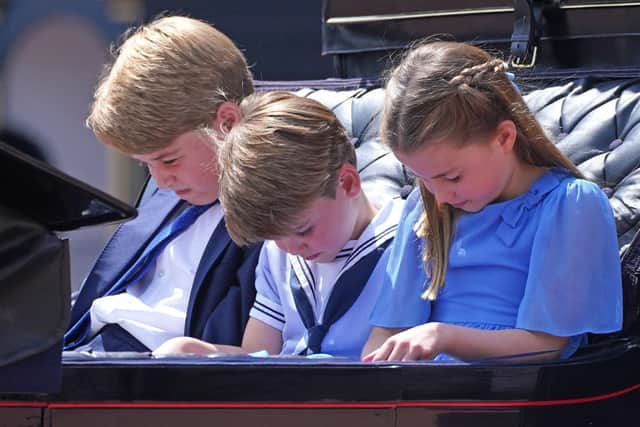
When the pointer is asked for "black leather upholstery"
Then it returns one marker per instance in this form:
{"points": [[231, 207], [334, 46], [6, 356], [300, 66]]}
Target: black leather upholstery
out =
{"points": [[383, 176], [595, 122]]}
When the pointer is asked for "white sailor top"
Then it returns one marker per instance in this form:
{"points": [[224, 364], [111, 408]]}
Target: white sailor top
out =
{"points": [[277, 273]]}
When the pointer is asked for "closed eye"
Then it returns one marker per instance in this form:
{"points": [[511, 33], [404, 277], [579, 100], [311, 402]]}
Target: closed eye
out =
{"points": [[304, 232], [169, 162]]}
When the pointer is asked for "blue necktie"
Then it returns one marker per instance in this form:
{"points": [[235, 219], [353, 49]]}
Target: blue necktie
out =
{"points": [[344, 294], [78, 333]]}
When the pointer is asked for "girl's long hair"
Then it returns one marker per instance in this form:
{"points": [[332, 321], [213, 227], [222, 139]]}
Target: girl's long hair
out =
{"points": [[452, 91]]}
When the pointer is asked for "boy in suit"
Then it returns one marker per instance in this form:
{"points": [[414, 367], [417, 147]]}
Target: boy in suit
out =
{"points": [[288, 174], [174, 87]]}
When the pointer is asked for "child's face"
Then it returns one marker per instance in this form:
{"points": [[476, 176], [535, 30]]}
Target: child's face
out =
{"points": [[467, 177], [327, 225], [187, 166]]}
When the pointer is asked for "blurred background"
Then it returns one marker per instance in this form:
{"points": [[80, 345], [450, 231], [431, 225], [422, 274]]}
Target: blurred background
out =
{"points": [[52, 54]]}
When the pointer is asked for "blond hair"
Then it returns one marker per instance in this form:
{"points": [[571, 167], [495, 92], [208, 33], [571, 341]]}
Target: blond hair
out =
{"points": [[453, 91], [168, 77], [283, 154]]}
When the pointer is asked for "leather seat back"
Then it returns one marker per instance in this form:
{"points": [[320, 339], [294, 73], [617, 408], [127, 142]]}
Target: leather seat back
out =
{"points": [[595, 122]]}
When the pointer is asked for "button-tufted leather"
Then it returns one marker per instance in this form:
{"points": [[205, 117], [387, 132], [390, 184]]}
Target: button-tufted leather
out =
{"points": [[595, 122], [359, 110]]}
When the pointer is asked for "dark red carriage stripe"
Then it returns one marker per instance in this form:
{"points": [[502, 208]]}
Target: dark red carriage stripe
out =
{"points": [[321, 405]]}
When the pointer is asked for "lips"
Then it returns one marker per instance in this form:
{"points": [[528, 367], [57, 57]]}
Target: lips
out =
{"points": [[182, 192], [459, 205], [312, 257]]}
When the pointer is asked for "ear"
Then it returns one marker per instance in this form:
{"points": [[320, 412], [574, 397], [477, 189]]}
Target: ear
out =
{"points": [[349, 180], [226, 117], [506, 135]]}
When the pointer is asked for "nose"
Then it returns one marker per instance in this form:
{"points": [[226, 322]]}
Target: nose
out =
{"points": [[162, 177], [449, 197], [291, 245], [444, 195]]}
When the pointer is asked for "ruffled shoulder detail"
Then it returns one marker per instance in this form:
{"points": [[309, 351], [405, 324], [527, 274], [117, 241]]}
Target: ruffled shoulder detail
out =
{"points": [[573, 285], [516, 211]]}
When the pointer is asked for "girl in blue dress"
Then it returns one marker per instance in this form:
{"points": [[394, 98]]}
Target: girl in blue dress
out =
{"points": [[503, 249]]}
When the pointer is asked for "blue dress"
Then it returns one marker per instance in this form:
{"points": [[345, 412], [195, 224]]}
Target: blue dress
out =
{"points": [[544, 261]]}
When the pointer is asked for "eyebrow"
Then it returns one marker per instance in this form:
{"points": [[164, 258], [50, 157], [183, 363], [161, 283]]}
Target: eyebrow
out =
{"points": [[301, 226], [165, 155], [440, 175]]}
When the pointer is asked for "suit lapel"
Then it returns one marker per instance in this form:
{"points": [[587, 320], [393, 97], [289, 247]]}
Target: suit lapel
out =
{"points": [[218, 242], [134, 235], [124, 247]]}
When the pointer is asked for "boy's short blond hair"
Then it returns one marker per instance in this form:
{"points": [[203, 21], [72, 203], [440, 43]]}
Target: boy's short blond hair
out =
{"points": [[168, 78], [284, 154]]}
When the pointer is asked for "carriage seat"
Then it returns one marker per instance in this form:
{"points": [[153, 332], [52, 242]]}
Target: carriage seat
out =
{"points": [[595, 122]]}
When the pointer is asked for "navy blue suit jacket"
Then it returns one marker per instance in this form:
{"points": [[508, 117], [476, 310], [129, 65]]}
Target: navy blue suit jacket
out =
{"points": [[223, 289]]}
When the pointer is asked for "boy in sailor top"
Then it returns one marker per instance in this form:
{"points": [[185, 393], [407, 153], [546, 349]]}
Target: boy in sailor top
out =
{"points": [[288, 175]]}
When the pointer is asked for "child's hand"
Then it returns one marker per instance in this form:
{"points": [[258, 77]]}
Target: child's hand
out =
{"points": [[421, 342], [185, 345]]}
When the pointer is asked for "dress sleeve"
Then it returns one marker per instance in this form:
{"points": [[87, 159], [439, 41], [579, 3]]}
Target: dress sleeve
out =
{"points": [[267, 307], [574, 284], [399, 304]]}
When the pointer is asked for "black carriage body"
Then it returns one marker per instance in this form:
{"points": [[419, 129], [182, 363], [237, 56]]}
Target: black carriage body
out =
{"points": [[35, 201], [599, 389]]}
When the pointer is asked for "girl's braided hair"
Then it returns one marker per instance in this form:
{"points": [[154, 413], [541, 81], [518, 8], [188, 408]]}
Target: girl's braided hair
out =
{"points": [[448, 91]]}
